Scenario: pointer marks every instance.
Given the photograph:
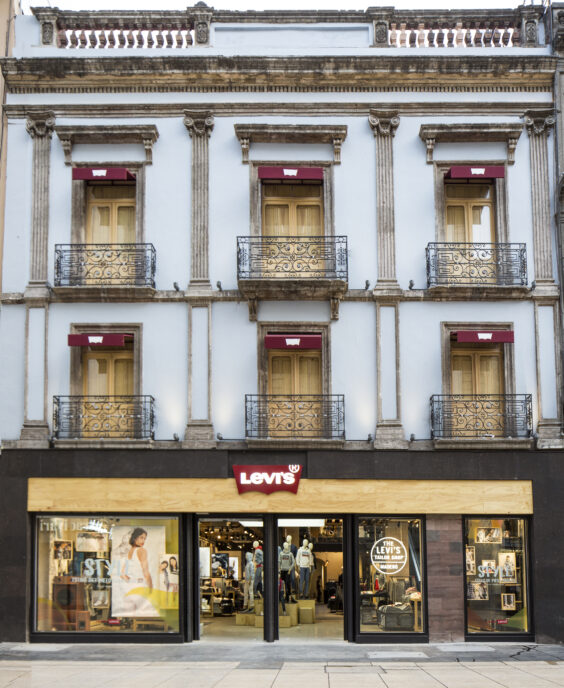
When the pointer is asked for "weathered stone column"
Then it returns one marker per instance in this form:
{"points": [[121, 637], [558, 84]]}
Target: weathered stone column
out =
{"points": [[538, 126], [384, 125], [35, 431], [40, 128], [199, 125]]}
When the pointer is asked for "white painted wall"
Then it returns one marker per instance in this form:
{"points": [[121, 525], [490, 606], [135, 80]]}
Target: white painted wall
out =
{"points": [[420, 352], [234, 365], [12, 368]]}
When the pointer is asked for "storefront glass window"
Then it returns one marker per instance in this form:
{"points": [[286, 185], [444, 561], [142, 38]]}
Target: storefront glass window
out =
{"points": [[107, 573], [390, 575], [496, 575]]}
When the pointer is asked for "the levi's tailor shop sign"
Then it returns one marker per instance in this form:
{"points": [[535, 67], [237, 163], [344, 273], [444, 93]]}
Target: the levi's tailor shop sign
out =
{"points": [[388, 555], [267, 479]]}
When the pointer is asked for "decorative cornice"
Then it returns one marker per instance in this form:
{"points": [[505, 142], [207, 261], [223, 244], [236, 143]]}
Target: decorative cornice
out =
{"points": [[291, 133], [40, 125], [509, 134], [199, 122], [383, 122], [539, 122], [145, 134]]}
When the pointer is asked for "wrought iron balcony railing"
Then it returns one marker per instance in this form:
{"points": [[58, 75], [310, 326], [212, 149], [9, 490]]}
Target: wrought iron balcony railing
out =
{"points": [[103, 417], [291, 257], [473, 264], [481, 416], [105, 265], [295, 416]]}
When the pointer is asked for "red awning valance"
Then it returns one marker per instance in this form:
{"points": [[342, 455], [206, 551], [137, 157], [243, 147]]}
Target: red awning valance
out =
{"points": [[292, 341], [290, 172], [99, 339], [485, 336], [476, 172], [102, 174]]}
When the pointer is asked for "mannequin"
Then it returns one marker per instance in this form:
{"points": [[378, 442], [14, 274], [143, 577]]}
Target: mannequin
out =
{"points": [[257, 561], [303, 563], [294, 551], [286, 564], [311, 568], [249, 598]]}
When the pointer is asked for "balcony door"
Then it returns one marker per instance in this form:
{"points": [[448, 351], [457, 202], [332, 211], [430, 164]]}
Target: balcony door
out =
{"points": [[108, 384], [469, 220], [110, 216], [294, 378], [478, 371], [292, 218]]}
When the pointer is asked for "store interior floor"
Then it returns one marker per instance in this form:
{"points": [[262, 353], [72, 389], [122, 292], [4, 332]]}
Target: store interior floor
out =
{"points": [[328, 626]]}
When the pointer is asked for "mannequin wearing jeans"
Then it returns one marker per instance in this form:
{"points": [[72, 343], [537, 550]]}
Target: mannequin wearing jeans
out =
{"points": [[286, 564], [249, 598], [257, 561], [303, 562], [294, 551]]}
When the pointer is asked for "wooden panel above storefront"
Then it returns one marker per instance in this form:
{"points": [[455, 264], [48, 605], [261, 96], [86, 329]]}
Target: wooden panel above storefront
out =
{"points": [[208, 495]]}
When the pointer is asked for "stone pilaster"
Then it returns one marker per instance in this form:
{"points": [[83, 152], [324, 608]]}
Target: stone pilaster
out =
{"points": [[538, 126], [200, 125], [384, 125], [40, 127]]}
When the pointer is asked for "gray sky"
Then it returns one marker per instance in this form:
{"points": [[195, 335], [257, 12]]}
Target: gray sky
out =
{"points": [[278, 4]]}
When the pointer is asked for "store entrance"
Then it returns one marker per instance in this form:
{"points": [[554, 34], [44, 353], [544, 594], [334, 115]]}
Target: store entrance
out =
{"points": [[231, 577], [310, 578]]}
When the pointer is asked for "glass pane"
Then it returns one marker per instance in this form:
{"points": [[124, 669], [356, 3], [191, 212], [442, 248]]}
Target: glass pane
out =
{"points": [[281, 375], [496, 575], [456, 223], [462, 374], [123, 376], [390, 575], [100, 225], [104, 574], [490, 374], [277, 220], [291, 190], [481, 224], [482, 191], [97, 377], [111, 191], [231, 578], [310, 578], [309, 376], [125, 225], [308, 220]]}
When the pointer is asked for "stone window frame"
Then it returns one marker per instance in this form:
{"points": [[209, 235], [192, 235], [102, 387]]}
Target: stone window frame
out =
{"points": [[76, 370], [79, 200], [499, 202], [255, 192], [310, 327], [447, 328]]}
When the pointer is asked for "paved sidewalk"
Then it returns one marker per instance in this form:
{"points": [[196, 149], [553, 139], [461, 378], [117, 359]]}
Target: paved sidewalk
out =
{"points": [[282, 665]]}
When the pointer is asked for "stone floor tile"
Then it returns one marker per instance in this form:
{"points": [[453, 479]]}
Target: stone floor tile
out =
{"points": [[373, 680], [194, 678], [8, 676], [405, 678], [245, 678], [451, 676], [312, 678]]}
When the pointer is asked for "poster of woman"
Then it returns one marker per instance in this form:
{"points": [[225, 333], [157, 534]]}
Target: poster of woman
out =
{"points": [[168, 573], [135, 558]]}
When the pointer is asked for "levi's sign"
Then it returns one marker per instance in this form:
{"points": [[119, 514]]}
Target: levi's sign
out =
{"points": [[388, 555], [267, 479]]}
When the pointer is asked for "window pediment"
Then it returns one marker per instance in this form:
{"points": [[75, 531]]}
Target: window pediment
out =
{"points": [[509, 134], [144, 134]]}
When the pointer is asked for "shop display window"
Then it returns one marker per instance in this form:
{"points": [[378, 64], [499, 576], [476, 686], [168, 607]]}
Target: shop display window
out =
{"points": [[390, 575], [496, 575], [107, 573]]}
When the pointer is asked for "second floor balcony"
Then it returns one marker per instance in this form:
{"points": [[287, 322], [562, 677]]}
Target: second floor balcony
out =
{"points": [[295, 416], [454, 264], [104, 417], [481, 416], [292, 266], [105, 265]]}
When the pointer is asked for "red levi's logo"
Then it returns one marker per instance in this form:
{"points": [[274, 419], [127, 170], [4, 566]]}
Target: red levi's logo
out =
{"points": [[267, 479]]}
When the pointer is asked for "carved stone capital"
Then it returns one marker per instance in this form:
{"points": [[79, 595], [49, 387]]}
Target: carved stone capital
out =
{"points": [[383, 123], [202, 21], [40, 125], [539, 123], [198, 123]]}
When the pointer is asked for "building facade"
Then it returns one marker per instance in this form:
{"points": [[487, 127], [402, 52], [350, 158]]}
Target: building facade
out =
{"points": [[280, 333]]}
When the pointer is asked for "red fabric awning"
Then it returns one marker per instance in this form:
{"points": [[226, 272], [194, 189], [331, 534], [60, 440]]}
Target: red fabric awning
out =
{"points": [[476, 172], [102, 174], [290, 172], [292, 341], [98, 339], [485, 336]]}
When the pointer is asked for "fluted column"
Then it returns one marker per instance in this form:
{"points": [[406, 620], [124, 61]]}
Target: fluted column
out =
{"points": [[538, 127], [40, 127], [384, 125], [200, 126]]}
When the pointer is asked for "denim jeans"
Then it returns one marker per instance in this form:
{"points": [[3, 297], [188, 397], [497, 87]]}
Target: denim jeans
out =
{"points": [[304, 581]]}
